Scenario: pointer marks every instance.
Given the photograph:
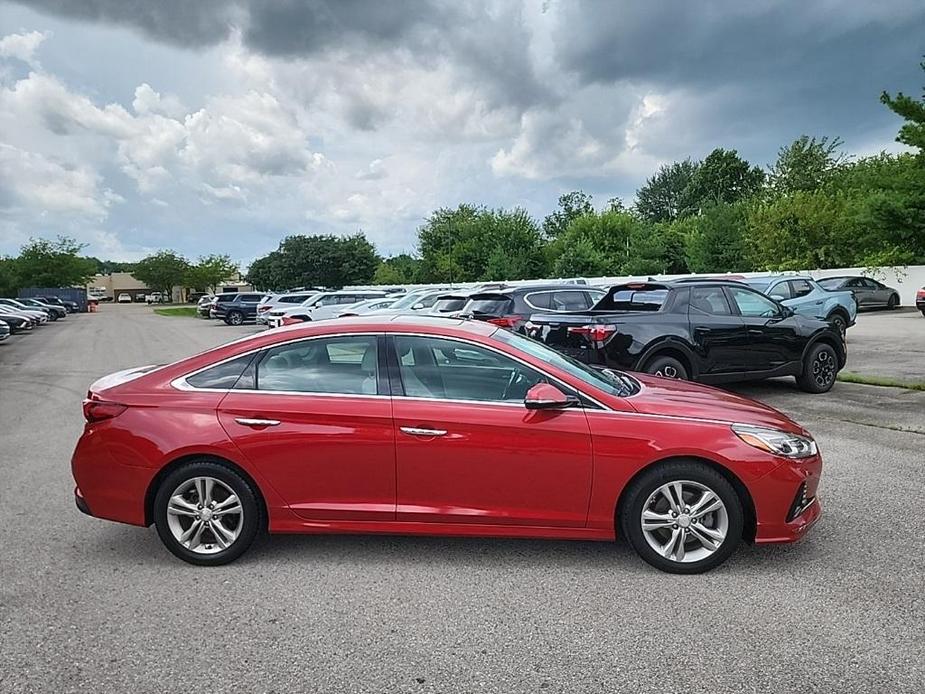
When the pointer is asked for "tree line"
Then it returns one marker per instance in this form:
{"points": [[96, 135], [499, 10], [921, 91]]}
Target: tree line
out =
{"points": [[59, 263]]}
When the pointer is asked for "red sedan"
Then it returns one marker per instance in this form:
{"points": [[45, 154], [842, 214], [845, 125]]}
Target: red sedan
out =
{"points": [[439, 427]]}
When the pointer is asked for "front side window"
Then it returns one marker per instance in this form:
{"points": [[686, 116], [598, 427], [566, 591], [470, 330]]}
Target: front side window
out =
{"points": [[346, 365], [442, 369], [753, 304]]}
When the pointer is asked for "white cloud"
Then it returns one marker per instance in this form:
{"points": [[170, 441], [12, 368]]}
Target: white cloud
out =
{"points": [[23, 46]]}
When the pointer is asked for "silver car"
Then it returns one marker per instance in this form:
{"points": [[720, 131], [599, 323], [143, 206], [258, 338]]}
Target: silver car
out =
{"points": [[38, 315], [415, 301], [321, 306], [867, 292], [361, 308]]}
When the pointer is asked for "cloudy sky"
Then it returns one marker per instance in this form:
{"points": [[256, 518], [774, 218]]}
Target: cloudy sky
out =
{"points": [[223, 125]]}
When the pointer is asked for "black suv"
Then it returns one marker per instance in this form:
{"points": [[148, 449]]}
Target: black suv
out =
{"points": [[511, 307], [67, 305], [235, 308]]}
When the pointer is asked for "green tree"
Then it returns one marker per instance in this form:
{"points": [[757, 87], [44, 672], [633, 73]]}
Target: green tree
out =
{"points": [[44, 263], [399, 269], [9, 284], [580, 259], [912, 132], [162, 271], [723, 176], [209, 272], [266, 273], [805, 164], [470, 243], [663, 197], [619, 238], [357, 260], [571, 206], [803, 231], [717, 239]]}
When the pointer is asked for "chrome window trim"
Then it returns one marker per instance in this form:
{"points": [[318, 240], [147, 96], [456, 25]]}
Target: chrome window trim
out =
{"points": [[179, 383]]}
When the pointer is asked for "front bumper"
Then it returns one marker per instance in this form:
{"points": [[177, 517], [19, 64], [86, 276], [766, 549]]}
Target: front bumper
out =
{"points": [[786, 500], [80, 502]]}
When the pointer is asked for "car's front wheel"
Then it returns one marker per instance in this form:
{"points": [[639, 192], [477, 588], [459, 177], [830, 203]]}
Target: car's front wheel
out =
{"points": [[206, 514], [682, 517], [893, 302]]}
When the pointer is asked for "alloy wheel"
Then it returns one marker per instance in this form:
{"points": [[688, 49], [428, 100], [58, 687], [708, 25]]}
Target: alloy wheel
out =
{"points": [[684, 521], [668, 371], [204, 515], [824, 368]]}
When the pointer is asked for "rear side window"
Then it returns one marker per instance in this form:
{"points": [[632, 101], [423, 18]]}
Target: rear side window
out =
{"points": [[571, 300], [833, 283], [710, 301], [223, 376], [345, 365], [799, 288], [448, 304], [539, 300]]}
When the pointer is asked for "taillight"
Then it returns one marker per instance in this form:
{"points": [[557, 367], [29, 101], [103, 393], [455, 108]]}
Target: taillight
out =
{"points": [[98, 410], [506, 321], [920, 294], [595, 333]]}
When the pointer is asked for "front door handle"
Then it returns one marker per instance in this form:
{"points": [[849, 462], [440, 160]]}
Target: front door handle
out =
{"points": [[418, 431], [248, 422]]}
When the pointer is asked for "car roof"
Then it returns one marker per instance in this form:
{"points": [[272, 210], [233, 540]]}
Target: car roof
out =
{"points": [[773, 278]]}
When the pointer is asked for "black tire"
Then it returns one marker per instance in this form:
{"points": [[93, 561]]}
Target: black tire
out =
{"points": [[819, 369], [638, 494], [839, 322], [923, 313], [252, 523], [234, 318], [893, 302], [666, 367], [52, 317]]}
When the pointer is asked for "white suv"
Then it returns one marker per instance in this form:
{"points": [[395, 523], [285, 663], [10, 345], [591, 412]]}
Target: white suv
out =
{"points": [[281, 301]]}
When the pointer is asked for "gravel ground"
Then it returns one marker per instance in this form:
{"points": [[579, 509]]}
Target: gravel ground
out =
{"points": [[92, 606]]}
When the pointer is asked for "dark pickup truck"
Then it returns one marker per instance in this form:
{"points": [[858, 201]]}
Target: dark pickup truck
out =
{"points": [[712, 331]]}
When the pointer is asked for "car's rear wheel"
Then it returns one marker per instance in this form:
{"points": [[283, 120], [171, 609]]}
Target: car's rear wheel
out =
{"points": [[819, 369], [234, 318], [206, 514], [682, 517], [839, 322], [667, 367]]}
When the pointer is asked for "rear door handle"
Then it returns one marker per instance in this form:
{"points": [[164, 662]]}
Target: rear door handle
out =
{"points": [[418, 431], [248, 422]]}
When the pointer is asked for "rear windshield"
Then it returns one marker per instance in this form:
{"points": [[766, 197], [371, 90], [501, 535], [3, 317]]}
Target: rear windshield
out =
{"points": [[629, 299], [449, 304], [489, 305], [831, 283]]}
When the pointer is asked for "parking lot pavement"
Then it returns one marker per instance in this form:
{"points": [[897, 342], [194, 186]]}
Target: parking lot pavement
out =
{"points": [[888, 344], [91, 606]]}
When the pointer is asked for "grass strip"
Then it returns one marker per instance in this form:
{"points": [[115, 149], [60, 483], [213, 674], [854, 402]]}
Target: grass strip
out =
{"points": [[886, 381], [187, 311]]}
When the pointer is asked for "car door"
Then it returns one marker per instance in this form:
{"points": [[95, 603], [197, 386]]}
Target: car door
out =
{"points": [[719, 335], [862, 293], [773, 336], [879, 294], [804, 299], [469, 451], [314, 416]]}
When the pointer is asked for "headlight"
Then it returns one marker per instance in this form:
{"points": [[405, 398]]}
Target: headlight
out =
{"points": [[777, 442]]}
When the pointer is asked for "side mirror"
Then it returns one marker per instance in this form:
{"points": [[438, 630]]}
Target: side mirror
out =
{"points": [[544, 396], [418, 306]]}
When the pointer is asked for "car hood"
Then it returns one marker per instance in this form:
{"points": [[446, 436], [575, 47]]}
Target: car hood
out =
{"points": [[669, 397]]}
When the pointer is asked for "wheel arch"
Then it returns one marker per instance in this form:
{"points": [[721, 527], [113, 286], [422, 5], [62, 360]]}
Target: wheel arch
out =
{"points": [[750, 517], [155, 483], [669, 348], [831, 342]]}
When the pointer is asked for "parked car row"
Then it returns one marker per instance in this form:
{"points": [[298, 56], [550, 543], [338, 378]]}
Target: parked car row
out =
{"points": [[25, 315]]}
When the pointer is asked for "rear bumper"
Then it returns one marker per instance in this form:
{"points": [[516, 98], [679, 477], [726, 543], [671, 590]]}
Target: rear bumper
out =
{"points": [[80, 502]]}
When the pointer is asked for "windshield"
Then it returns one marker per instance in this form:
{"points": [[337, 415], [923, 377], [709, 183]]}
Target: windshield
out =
{"points": [[760, 284], [408, 300], [608, 380]]}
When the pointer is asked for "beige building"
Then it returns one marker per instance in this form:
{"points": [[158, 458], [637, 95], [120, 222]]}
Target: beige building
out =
{"points": [[110, 286]]}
